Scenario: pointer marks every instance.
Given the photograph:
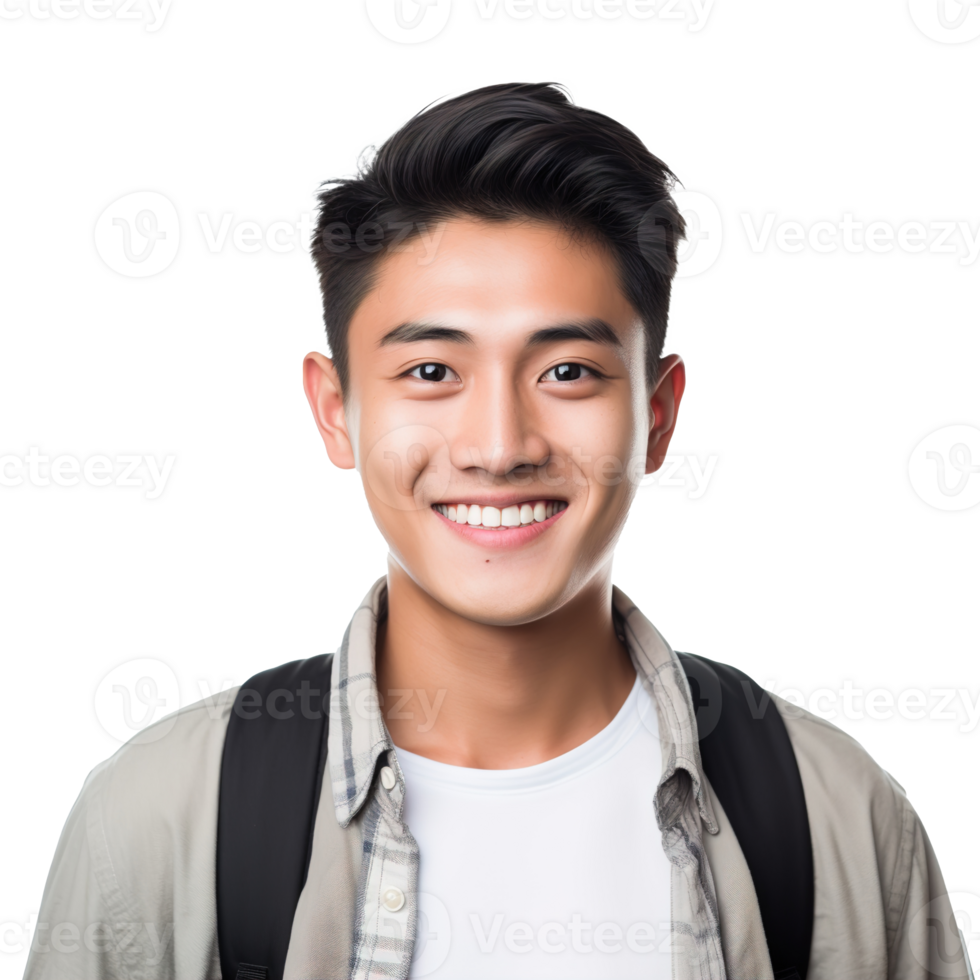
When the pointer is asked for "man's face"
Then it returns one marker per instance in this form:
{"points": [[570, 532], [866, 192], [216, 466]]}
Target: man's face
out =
{"points": [[502, 373]]}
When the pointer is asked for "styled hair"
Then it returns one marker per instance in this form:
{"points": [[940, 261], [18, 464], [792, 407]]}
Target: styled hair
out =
{"points": [[500, 153]]}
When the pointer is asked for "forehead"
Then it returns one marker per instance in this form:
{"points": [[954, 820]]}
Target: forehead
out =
{"points": [[493, 279]]}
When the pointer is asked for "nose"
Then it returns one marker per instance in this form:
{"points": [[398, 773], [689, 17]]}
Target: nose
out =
{"points": [[496, 431]]}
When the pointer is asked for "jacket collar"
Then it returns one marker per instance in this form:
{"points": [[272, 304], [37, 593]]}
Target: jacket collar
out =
{"points": [[358, 734]]}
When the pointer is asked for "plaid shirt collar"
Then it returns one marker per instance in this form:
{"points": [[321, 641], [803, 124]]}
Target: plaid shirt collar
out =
{"points": [[358, 734]]}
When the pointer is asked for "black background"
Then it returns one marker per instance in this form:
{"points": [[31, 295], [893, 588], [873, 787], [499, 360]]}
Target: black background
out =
{"points": [[809, 559]]}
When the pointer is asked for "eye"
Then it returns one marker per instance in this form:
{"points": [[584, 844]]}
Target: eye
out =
{"points": [[566, 372], [433, 372]]}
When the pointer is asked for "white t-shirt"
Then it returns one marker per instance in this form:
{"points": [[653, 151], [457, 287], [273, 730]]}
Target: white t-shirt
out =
{"points": [[554, 870]]}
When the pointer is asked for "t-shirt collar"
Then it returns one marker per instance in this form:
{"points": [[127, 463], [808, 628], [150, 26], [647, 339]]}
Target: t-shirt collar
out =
{"points": [[358, 734]]}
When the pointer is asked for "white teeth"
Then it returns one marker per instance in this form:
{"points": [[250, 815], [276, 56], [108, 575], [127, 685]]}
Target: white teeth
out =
{"points": [[511, 516]]}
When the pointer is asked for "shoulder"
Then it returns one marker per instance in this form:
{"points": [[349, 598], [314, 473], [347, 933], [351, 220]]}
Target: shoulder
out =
{"points": [[136, 858], [160, 785], [174, 755], [839, 775], [859, 812], [879, 889]]}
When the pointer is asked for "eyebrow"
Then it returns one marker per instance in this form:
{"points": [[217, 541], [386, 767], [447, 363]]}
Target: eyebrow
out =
{"points": [[407, 333], [595, 330]]}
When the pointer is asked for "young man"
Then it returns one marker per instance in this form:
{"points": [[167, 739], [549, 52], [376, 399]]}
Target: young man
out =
{"points": [[513, 783]]}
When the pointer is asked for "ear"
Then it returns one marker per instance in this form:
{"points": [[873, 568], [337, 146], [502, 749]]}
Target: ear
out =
{"points": [[322, 386], [664, 403]]}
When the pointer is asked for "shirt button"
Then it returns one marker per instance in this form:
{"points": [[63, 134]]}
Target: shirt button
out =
{"points": [[388, 779], [392, 898]]}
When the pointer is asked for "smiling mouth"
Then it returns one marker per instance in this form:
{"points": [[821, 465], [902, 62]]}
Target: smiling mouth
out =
{"points": [[517, 515]]}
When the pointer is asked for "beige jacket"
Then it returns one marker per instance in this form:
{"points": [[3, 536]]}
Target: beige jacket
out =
{"points": [[131, 891]]}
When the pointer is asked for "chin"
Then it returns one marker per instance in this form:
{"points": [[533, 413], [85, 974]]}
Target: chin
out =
{"points": [[499, 599], [500, 587], [502, 614]]}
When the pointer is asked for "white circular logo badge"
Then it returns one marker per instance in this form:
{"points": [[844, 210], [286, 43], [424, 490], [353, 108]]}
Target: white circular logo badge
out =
{"points": [[407, 466], [134, 695], [966, 908], [944, 469], [948, 933], [138, 235], [699, 249], [947, 21], [408, 21], [433, 933]]}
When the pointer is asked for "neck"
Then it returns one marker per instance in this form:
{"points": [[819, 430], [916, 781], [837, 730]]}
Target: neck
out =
{"points": [[498, 697]]}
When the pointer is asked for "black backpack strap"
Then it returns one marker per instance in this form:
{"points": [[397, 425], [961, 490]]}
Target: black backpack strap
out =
{"points": [[271, 773], [749, 761]]}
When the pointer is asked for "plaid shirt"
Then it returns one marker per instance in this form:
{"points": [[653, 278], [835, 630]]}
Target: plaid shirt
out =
{"points": [[385, 919]]}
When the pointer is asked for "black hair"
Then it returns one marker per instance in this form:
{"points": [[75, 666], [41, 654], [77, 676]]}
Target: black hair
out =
{"points": [[499, 153]]}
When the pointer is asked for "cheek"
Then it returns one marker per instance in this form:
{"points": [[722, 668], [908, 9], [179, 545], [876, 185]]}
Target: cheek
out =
{"points": [[404, 465], [599, 443]]}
